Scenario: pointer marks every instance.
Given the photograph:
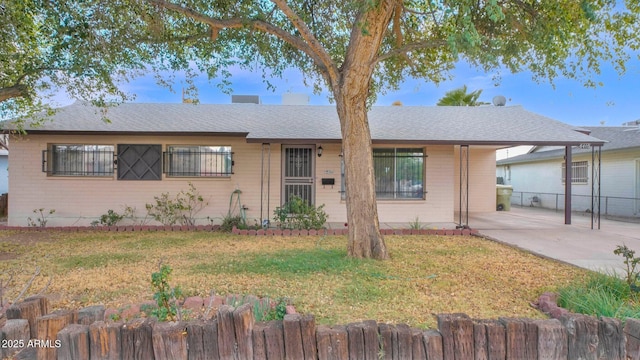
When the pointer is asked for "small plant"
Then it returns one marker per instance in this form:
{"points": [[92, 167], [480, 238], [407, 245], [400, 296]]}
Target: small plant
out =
{"points": [[632, 273], [166, 297], [41, 219], [231, 221], [298, 214], [182, 209], [415, 224], [263, 309], [111, 218]]}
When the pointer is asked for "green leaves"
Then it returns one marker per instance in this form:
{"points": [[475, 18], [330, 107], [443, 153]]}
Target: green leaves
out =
{"points": [[460, 97], [165, 295]]}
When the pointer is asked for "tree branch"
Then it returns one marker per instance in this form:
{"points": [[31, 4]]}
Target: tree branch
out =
{"points": [[310, 39], [15, 91], [27, 285], [240, 23]]}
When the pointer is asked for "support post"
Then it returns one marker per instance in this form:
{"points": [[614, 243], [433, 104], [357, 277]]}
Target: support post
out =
{"points": [[463, 209], [596, 157], [265, 189], [568, 172]]}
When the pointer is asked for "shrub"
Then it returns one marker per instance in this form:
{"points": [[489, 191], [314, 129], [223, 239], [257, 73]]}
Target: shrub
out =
{"points": [[298, 214], [632, 273], [111, 218], [230, 221], [181, 209]]}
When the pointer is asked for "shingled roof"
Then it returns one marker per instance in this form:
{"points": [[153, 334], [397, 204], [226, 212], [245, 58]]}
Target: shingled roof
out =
{"points": [[616, 137], [485, 125]]}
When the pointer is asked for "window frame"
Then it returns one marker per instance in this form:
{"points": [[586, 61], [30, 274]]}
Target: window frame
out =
{"points": [[223, 151], [576, 168], [90, 154], [395, 197]]}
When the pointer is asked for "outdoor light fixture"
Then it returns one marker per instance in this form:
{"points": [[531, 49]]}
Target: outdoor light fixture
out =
{"points": [[319, 150]]}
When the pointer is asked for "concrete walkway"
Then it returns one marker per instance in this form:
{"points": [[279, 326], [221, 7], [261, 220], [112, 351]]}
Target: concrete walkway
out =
{"points": [[543, 232]]}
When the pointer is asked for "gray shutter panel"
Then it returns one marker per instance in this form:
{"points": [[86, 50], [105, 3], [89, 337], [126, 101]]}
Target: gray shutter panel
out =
{"points": [[139, 162]]}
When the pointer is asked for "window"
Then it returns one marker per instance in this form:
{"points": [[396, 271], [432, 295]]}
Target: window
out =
{"points": [[198, 161], [579, 172], [399, 173], [78, 160]]}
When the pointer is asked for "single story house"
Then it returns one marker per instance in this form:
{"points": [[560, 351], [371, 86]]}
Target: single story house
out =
{"points": [[434, 163], [539, 174]]}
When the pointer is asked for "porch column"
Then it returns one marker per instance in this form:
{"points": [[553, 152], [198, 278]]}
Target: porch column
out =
{"points": [[265, 185], [568, 172], [463, 210], [596, 159]]}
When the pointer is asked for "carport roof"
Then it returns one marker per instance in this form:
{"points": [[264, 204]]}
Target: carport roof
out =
{"points": [[616, 137], [485, 125]]}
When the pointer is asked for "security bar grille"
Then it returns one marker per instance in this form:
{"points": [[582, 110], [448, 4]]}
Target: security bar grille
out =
{"points": [[199, 161], [78, 160]]}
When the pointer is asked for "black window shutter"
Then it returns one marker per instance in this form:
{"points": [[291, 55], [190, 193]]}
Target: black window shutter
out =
{"points": [[139, 162]]}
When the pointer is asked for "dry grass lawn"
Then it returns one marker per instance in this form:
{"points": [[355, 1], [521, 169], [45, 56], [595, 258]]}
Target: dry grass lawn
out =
{"points": [[426, 275]]}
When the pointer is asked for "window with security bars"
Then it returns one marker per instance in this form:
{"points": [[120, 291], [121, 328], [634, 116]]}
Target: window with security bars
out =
{"points": [[198, 161], [579, 172], [78, 160], [399, 173]]}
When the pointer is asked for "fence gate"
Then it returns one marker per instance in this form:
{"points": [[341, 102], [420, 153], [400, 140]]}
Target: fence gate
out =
{"points": [[298, 173]]}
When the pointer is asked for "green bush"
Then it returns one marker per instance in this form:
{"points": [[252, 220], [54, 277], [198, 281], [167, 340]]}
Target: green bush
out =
{"points": [[111, 218], [631, 262], [230, 221], [298, 214]]}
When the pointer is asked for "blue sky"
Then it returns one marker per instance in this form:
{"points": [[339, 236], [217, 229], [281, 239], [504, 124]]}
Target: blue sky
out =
{"points": [[614, 103]]}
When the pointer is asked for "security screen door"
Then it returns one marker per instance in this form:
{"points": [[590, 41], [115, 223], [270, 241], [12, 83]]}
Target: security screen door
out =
{"points": [[297, 177]]}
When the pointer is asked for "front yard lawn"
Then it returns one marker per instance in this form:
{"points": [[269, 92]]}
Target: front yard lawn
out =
{"points": [[427, 274]]}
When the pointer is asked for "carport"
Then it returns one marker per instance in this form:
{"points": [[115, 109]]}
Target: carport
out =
{"points": [[539, 231], [596, 156]]}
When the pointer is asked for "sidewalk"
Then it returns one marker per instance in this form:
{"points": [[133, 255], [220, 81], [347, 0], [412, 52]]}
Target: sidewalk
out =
{"points": [[543, 232]]}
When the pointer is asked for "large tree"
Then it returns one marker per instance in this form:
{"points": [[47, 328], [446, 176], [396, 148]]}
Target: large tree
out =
{"points": [[356, 49], [48, 46]]}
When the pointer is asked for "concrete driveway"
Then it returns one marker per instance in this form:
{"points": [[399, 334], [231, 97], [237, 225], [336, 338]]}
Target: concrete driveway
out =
{"points": [[543, 232]]}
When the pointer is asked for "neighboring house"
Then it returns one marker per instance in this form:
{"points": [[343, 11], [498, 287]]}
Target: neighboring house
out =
{"points": [[539, 174], [426, 159]]}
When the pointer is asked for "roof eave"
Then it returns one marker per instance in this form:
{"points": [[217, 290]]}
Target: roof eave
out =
{"points": [[138, 133]]}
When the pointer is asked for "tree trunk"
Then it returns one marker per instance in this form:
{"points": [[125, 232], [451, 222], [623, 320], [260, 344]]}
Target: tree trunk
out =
{"points": [[351, 92], [365, 240]]}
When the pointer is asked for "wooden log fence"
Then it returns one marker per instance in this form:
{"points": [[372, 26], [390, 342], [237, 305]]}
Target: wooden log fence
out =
{"points": [[234, 334]]}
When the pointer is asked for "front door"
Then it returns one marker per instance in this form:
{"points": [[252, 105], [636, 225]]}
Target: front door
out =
{"points": [[298, 173]]}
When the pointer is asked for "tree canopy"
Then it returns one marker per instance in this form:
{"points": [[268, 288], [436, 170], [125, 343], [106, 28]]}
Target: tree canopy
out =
{"points": [[50, 46], [355, 49], [460, 97]]}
